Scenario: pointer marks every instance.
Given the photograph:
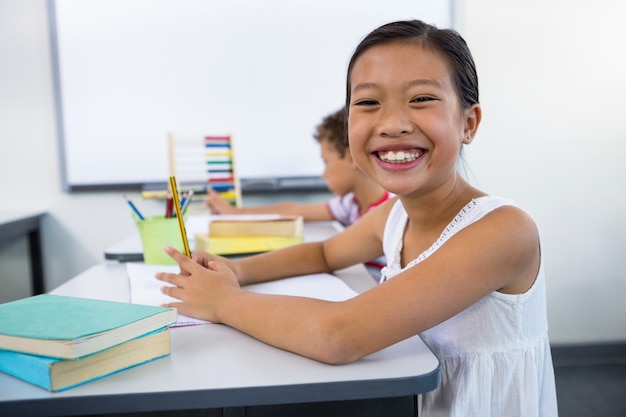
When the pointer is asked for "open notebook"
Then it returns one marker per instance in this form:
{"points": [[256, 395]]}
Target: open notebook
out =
{"points": [[146, 289]]}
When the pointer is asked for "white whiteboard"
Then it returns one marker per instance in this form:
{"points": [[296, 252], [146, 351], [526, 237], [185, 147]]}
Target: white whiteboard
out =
{"points": [[130, 71]]}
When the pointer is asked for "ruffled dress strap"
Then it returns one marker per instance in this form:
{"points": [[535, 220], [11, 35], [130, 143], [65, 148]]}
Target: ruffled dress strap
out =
{"points": [[396, 223]]}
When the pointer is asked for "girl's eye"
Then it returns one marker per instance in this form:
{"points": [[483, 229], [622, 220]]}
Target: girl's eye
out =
{"points": [[421, 99], [366, 102]]}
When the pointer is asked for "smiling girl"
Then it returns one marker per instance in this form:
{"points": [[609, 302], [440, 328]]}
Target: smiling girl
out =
{"points": [[465, 269]]}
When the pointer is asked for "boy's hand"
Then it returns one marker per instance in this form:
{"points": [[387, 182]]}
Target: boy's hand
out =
{"points": [[217, 204]]}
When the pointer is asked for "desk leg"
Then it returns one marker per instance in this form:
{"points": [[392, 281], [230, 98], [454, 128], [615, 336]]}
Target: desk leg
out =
{"points": [[36, 261]]}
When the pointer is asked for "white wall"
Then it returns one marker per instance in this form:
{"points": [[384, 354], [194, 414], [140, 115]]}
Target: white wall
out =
{"points": [[554, 129], [553, 138]]}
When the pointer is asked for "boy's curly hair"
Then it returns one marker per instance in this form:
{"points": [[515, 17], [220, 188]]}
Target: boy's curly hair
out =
{"points": [[333, 129]]}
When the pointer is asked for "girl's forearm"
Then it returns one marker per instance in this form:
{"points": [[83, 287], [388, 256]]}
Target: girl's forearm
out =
{"points": [[309, 327], [306, 258]]}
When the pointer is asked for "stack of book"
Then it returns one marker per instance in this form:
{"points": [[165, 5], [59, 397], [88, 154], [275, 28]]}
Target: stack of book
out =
{"points": [[57, 342], [242, 234]]}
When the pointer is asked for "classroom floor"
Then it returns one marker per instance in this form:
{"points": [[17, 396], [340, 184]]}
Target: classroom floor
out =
{"points": [[591, 383]]}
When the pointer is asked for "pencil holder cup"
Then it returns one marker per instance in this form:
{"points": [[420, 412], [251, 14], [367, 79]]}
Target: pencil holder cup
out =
{"points": [[156, 232]]}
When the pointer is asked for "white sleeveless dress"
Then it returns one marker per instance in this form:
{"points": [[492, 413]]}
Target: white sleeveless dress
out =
{"points": [[495, 356]]}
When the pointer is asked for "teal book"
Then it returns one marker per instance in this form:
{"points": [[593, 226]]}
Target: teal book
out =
{"points": [[71, 327], [55, 374]]}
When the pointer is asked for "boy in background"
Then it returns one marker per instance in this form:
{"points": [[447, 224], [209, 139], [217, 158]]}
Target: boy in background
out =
{"points": [[355, 193]]}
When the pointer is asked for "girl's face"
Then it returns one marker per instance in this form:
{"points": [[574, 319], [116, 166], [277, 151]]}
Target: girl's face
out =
{"points": [[406, 125]]}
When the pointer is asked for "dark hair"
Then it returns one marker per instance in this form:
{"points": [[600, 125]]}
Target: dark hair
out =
{"points": [[445, 42], [333, 130]]}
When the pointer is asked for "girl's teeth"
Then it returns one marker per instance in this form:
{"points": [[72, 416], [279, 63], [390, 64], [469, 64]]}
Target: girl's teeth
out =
{"points": [[398, 157]]}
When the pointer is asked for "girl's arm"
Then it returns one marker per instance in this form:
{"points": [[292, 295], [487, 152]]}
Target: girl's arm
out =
{"points": [[500, 252], [330, 255]]}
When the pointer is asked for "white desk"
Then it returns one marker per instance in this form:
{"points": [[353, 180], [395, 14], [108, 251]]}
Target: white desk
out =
{"points": [[214, 366], [220, 369]]}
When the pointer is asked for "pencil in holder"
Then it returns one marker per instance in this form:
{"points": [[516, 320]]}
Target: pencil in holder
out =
{"points": [[156, 232]]}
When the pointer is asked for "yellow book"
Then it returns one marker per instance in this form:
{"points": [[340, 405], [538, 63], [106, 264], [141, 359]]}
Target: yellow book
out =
{"points": [[243, 244], [274, 225]]}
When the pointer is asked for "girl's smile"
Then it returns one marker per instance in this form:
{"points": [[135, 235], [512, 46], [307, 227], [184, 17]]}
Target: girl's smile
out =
{"points": [[399, 159]]}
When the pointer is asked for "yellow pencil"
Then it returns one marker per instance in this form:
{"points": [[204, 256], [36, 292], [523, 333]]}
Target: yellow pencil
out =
{"points": [[181, 222]]}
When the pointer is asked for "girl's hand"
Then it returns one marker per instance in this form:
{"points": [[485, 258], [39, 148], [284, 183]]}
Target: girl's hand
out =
{"points": [[200, 288], [203, 259]]}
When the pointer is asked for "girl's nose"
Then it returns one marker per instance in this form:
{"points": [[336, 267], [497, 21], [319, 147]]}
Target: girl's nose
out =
{"points": [[394, 122]]}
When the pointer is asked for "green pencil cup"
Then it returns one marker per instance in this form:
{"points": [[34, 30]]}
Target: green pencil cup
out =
{"points": [[156, 232]]}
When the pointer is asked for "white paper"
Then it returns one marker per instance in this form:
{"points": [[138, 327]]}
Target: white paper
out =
{"points": [[146, 289]]}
